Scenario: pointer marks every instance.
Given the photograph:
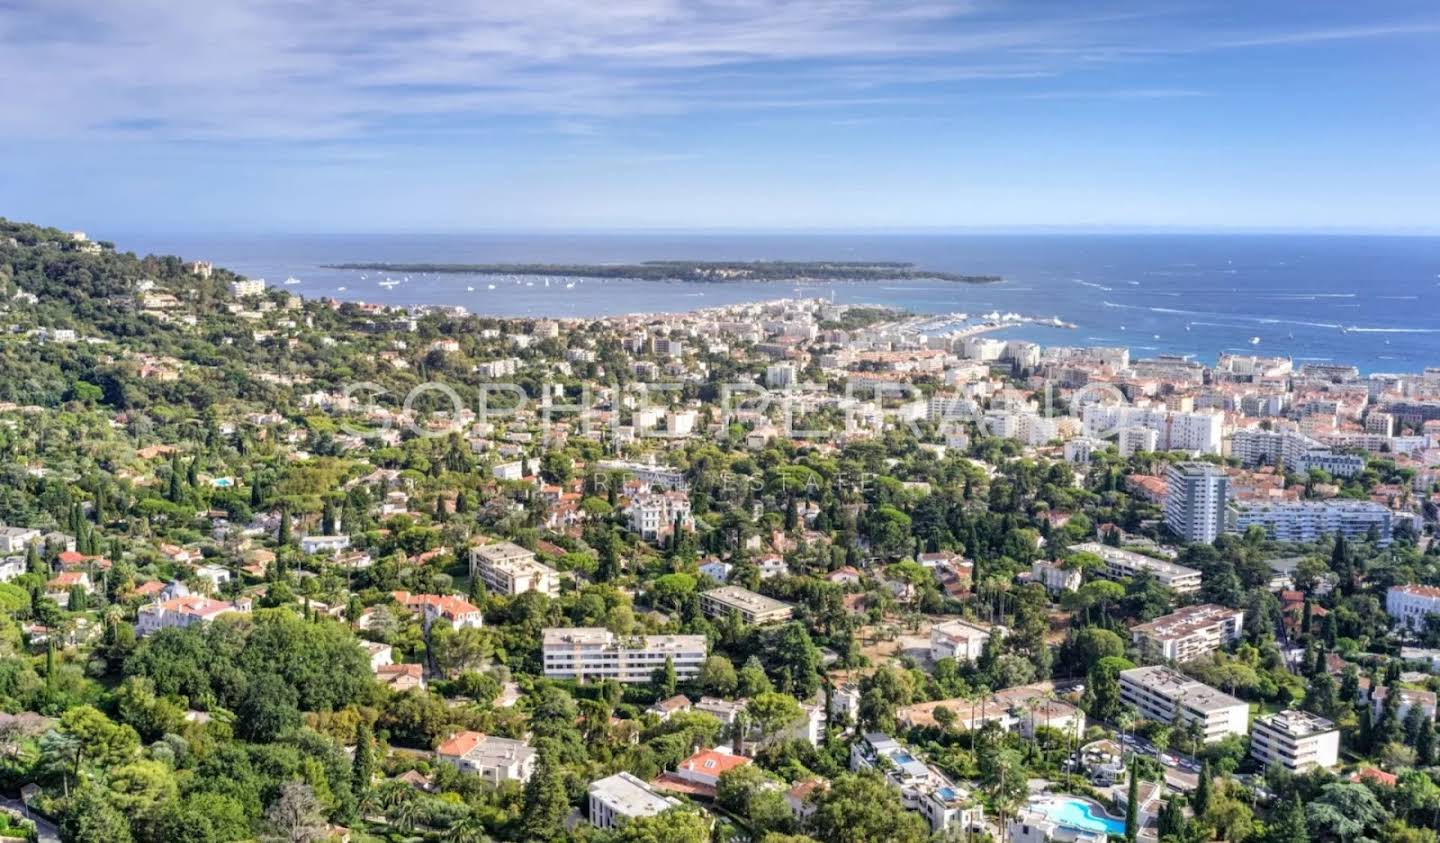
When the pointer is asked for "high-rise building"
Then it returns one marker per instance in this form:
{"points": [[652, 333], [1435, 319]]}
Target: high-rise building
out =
{"points": [[1195, 501]]}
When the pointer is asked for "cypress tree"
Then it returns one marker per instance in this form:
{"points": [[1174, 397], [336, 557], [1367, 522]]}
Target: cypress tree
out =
{"points": [[1132, 811], [1201, 802], [362, 770]]}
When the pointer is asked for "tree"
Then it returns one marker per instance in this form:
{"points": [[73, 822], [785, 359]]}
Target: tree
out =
{"points": [[717, 676], [362, 768], [91, 818], [1232, 819], [773, 712], [797, 657], [861, 808], [1201, 800], [269, 709], [677, 825], [1287, 824], [1172, 824], [295, 815], [1343, 812], [666, 679], [1132, 809], [546, 802]]}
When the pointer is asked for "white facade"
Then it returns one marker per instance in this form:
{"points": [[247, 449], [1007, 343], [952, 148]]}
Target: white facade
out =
{"points": [[923, 788], [653, 516], [1164, 695], [753, 608], [508, 568], [624, 797], [324, 544], [492, 758], [182, 612], [1408, 605], [1055, 576], [593, 653], [1195, 501], [1123, 564], [1307, 521], [1198, 433], [960, 640], [1189, 633], [1296, 740]]}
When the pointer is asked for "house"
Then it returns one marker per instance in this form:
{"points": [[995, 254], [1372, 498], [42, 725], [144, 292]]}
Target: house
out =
{"points": [[185, 611], [621, 797], [401, 677], [844, 576], [959, 640], [379, 654], [60, 586], [324, 544], [493, 759], [801, 798], [460, 613], [665, 708], [703, 769], [215, 575]]}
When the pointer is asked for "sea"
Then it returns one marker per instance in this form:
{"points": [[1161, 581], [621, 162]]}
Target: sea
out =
{"points": [[1368, 301]]}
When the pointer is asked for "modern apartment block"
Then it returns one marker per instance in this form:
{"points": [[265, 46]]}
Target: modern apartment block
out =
{"points": [[1296, 740], [593, 653], [507, 568], [1123, 564], [1408, 605], [1307, 521], [1189, 633], [1166, 695], [624, 797], [1195, 501], [753, 608], [1198, 433]]}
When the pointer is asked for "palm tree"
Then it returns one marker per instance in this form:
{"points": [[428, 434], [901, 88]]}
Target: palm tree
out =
{"points": [[468, 830]]}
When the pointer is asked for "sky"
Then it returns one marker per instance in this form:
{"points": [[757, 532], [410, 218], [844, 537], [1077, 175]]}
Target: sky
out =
{"points": [[207, 116]]}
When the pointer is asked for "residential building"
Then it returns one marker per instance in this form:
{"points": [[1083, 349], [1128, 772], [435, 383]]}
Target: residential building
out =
{"points": [[1189, 633], [753, 608], [1056, 576], [460, 613], [1124, 564], [623, 797], [1408, 698], [1307, 521], [1174, 431], [507, 568], [1296, 740], [959, 640], [1166, 695], [923, 788], [703, 769], [17, 539], [592, 653], [324, 544], [1195, 501], [654, 516], [1408, 605], [185, 611], [493, 759]]}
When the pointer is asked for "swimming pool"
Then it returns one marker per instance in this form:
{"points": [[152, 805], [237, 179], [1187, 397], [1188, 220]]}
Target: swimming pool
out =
{"points": [[1082, 814]]}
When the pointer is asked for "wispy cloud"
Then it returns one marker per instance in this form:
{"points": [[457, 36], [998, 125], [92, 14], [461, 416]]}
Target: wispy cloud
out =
{"points": [[326, 71]]}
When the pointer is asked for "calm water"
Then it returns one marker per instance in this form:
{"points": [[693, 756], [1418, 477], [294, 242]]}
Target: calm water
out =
{"points": [[1370, 301]]}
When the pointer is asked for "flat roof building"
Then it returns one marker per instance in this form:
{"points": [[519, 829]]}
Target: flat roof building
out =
{"points": [[1296, 740], [753, 608], [588, 653], [1166, 695], [1189, 633], [1123, 564], [624, 797], [507, 568]]}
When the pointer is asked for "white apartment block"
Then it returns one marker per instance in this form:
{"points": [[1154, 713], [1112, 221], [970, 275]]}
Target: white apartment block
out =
{"points": [[181, 612], [671, 479], [624, 797], [1136, 440], [593, 653], [959, 640], [17, 539], [1296, 740], [324, 544], [753, 608], [1196, 433], [1189, 633], [1408, 605], [1055, 576], [247, 287], [508, 568], [1165, 695], [653, 516], [1195, 501], [1307, 521], [1123, 564]]}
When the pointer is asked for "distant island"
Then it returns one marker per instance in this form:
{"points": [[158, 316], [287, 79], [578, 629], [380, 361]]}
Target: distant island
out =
{"points": [[702, 271]]}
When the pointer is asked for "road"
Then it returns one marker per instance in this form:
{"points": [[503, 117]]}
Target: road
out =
{"points": [[1181, 771], [48, 833]]}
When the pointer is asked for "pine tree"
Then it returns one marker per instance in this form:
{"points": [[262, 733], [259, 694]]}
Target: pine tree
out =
{"points": [[327, 520], [1287, 825], [546, 803], [668, 678], [1201, 801], [362, 769], [1132, 810]]}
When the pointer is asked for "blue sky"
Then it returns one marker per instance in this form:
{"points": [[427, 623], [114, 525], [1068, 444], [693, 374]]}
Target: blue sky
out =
{"points": [[256, 115]]}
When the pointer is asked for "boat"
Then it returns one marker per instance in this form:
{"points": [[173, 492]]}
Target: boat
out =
{"points": [[1254, 340], [339, 289], [292, 280], [387, 283], [570, 286], [469, 289], [490, 286]]}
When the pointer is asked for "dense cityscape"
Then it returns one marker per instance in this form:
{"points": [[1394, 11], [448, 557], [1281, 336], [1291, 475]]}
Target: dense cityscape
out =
{"points": [[787, 571]]}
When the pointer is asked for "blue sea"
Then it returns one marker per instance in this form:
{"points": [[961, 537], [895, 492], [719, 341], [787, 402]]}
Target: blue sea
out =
{"points": [[1369, 301]]}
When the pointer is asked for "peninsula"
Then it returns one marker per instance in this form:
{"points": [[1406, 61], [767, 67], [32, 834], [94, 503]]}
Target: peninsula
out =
{"points": [[704, 271]]}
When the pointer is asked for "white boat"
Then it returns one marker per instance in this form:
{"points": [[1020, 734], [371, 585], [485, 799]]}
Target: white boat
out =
{"points": [[570, 286], [387, 283], [292, 280], [469, 289], [489, 286], [339, 289], [1254, 340]]}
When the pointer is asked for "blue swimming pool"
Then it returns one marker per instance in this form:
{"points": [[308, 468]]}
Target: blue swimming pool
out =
{"points": [[1084, 815]]}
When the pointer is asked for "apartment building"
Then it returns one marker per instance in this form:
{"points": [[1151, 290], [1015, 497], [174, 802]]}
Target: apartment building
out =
{"points": [[1308, 521], [653, 516], [1296, 740], [17, 539], [1408, 605], [1189, 633], [1166, 695], [592, 653], [508, 568], [1123, 564], [1197, 433], [624, 797], [1057, 577], [1195, 501], [650, 476], [753, 608]]}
